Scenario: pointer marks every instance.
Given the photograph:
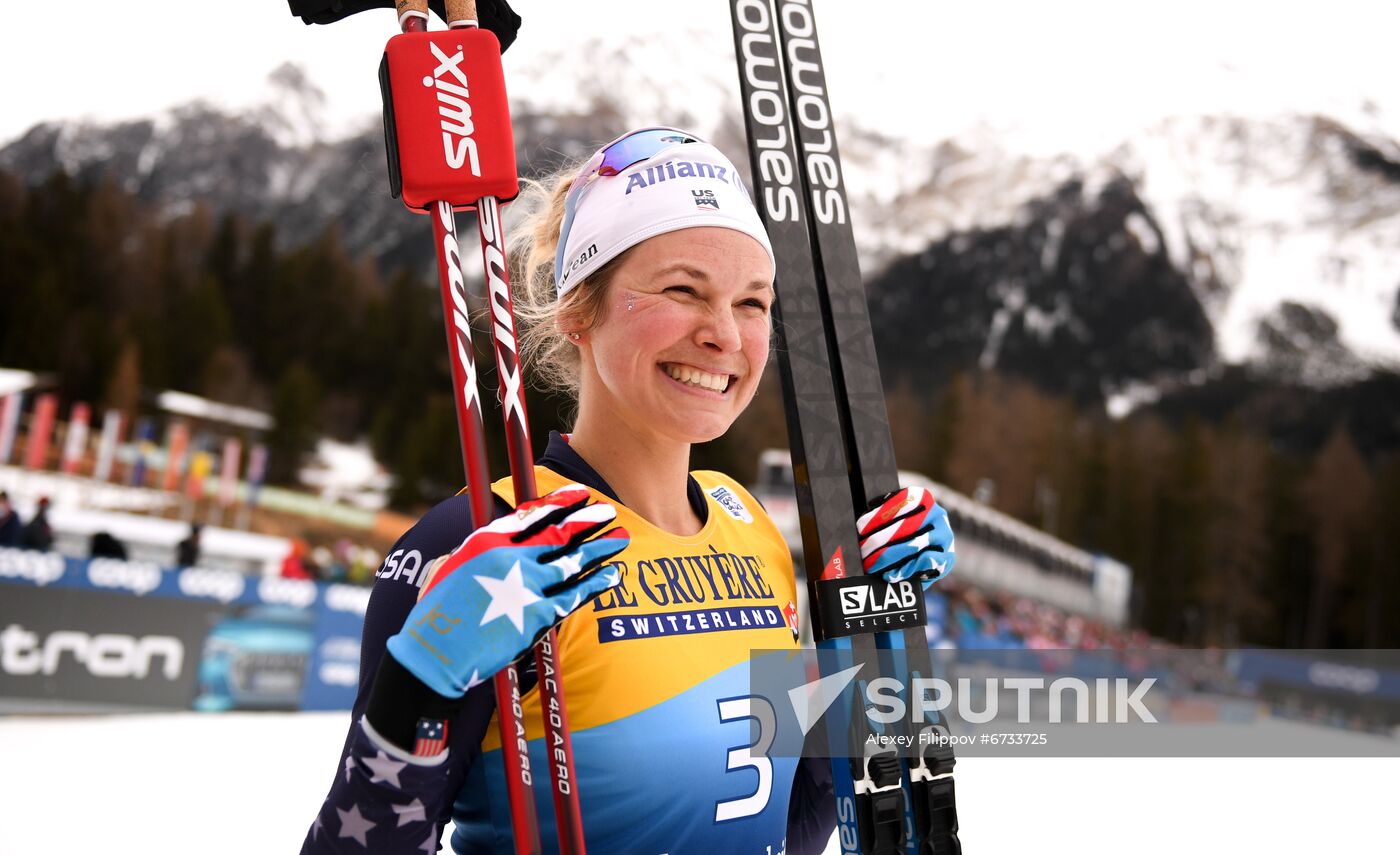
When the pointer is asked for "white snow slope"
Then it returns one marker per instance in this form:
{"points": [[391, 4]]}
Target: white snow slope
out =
{"points": [[247, 783]]}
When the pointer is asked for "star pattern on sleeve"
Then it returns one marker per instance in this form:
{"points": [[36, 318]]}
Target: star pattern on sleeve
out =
{"points": [[411, 812], [384, 768], [353, 824], [349, 766]]}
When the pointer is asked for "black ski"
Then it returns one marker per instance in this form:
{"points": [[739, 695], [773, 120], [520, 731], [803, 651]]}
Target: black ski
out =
{"points": [[870, 448], [838, 423]]}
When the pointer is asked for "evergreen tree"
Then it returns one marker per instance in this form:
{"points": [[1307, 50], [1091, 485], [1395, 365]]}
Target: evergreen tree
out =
{"points": [[942, 428], [1232, 590], [1338, 492], [295, 406], [124, 386], [1291, 549], [1380, 591], [1181, 559]]}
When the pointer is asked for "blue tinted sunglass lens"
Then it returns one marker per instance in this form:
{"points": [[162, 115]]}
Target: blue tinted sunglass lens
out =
{"points": [[637, 147]]}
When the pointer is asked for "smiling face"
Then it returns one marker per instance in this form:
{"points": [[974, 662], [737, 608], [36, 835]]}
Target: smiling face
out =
{"points": [[682, 339]]}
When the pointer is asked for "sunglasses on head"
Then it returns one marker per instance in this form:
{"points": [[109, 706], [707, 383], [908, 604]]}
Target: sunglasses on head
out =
{"points": [[627, 150]]}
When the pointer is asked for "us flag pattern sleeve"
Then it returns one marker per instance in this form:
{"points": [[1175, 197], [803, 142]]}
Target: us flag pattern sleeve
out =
{"points": [[383, 802], [385, 799]]}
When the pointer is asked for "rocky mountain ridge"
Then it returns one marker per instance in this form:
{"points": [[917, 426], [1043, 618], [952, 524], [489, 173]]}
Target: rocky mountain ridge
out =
{"points": [[1201, 243]]}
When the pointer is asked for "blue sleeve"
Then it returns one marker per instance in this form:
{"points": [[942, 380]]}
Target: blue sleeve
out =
{"points": [[378, 801]]}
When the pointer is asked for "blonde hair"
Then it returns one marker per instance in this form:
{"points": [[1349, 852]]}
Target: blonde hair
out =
{"points": [[543, 319]]}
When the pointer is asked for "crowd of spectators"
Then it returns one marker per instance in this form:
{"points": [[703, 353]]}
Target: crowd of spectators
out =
{"points": [[342, 561], [999, 620], [35, 534], [1015, 621]]}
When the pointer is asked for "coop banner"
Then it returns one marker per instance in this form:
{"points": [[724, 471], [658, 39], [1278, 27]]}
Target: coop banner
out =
{"points": [[123, 634]]}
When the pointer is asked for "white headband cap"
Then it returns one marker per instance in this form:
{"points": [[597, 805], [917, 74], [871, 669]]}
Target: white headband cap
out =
{"points": [[682, 186]]}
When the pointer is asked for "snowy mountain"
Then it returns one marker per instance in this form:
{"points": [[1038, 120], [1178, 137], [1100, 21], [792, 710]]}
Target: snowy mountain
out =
{"points": [[1287, 231], [1197, 242]]}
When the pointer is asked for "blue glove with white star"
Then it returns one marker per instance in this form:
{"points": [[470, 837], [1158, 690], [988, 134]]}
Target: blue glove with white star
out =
{"points": [[505, 586], [906, 536]]}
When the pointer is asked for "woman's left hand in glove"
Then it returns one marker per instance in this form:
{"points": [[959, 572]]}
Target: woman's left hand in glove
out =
{"points": [[906, 536]]}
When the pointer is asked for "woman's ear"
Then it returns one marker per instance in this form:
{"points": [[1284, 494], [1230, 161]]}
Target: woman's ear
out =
{"points": [[571, 327]]}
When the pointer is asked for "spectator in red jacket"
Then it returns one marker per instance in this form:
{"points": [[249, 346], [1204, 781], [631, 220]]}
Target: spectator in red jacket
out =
{"points": [[294, 565]]}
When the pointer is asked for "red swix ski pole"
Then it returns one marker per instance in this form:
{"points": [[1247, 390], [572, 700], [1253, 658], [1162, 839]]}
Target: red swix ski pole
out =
{"points": [[559, 746], [556, 719], [413, 18], [452, 83]]}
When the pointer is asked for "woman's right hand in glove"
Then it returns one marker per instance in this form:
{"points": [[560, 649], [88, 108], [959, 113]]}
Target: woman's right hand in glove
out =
{"points": [[505, 586]]}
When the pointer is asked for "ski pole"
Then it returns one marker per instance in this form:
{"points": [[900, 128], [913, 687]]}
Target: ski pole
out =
{"points": [[468, 142], [413, 18], [568, 815]]}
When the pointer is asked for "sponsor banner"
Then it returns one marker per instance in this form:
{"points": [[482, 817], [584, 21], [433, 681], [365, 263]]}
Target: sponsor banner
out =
{"points": [[84, 646], [1314, 671], [223, 586], [38, 569], [144, 579], [257, 642], [333, 672]]}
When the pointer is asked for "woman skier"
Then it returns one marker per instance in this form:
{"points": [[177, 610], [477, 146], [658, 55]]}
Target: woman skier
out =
{"points": [[646, 292]]}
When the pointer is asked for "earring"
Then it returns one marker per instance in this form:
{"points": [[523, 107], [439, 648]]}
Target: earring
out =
{"points": [[574, 336]]}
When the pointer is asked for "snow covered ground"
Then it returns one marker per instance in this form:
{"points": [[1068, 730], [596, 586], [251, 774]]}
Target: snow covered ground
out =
{"points": [[248, 783]]}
